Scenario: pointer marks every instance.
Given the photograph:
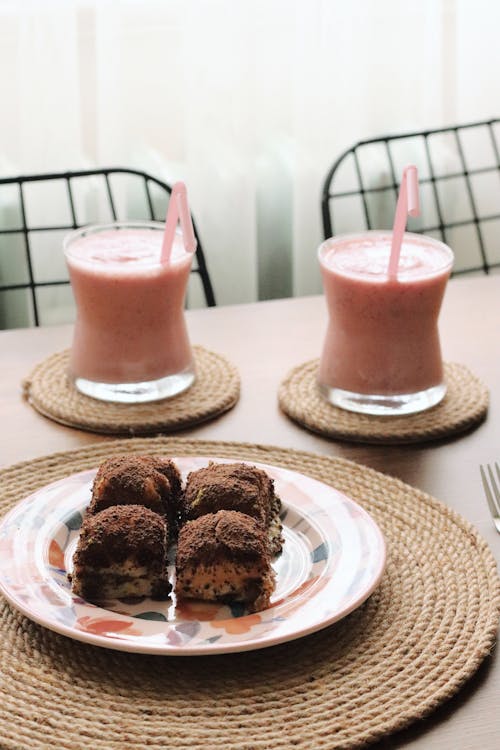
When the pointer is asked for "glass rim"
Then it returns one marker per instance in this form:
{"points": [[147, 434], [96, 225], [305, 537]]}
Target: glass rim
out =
{"points": [[447, 263], [330, 243], [88, 229], [92, 229]]}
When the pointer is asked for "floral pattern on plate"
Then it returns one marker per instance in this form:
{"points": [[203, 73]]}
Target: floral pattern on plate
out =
{"points": [[332, 560]]}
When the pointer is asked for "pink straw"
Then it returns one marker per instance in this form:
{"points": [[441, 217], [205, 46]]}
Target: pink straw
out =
{"points": [[178, 208], [407, 205]]}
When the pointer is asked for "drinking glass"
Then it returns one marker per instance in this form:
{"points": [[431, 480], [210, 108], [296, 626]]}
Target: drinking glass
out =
{"points": [[381, 352], [130, 340]]}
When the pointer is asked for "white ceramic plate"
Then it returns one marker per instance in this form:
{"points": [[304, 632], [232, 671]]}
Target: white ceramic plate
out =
{"points": [[333, 558]]}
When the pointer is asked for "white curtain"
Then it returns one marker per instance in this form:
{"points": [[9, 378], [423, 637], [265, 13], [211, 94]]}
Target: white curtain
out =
{"points": [[248, 101]]}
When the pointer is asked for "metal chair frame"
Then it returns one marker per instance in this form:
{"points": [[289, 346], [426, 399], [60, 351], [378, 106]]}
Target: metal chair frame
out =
{"points": [[329, 194], [199, 268]]}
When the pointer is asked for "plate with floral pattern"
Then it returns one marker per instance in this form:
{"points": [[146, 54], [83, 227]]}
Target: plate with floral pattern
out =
{"points": [[332, 560]]}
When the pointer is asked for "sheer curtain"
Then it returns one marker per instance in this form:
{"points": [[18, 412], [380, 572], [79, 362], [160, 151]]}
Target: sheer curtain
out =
{"points": [[249, 102]]}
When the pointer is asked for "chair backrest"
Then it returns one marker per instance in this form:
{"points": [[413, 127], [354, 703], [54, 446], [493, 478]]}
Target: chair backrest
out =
{"points": [[459, 175], [37, 210]]}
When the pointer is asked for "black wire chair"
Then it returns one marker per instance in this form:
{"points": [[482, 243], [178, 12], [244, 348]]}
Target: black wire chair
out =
{"points": [[459, 175], [37, 210]]}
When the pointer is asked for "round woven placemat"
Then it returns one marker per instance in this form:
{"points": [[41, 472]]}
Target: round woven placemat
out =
{"points": [[215, 390], [464, 406], [409, 647]]}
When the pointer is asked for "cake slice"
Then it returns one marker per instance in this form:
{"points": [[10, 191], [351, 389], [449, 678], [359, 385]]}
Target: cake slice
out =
{"points": [[138, 480], [121, 553], [236, 486], [225, 557]]}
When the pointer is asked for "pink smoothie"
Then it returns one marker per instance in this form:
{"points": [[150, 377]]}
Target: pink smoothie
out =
{"points": [[382, 335], [130, 323]]}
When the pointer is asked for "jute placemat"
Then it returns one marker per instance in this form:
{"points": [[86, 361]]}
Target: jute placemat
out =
{"points": [[415, 641], [215, 390], [464, 406]]}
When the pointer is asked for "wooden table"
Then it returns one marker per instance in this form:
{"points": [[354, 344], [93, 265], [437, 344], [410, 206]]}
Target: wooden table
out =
{"points": [[265, 340]]}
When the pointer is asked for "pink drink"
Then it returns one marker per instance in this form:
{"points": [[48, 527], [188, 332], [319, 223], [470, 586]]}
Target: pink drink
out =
{"points": [[382, 348], [130, 326]]}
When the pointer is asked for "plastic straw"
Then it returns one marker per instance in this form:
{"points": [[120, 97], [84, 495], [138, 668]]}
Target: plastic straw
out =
{"points": [[178, 209], [407, 205]]}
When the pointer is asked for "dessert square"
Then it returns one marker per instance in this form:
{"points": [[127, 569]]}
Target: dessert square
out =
{"points": [[137, 480], [225, 557], [121, 554]]}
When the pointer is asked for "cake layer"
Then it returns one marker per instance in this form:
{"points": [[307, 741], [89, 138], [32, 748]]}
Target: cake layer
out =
{"points": [[101, 586]]}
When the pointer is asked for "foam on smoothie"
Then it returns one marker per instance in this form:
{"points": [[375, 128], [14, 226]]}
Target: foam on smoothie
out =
{"points": [[124, 251], [369, 259]]}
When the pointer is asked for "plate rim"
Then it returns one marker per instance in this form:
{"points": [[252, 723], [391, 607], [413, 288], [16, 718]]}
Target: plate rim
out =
{"points": [[206, 649]]}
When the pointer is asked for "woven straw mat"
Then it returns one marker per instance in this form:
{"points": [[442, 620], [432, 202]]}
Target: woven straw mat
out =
{"points": [[464, 406], [409, 647], [215, 390]]}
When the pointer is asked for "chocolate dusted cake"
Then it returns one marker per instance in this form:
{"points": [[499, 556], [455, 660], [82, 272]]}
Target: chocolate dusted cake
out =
{"points": [[239, 487], [121, 553], [225, 557], [150, 481], [228, 516]]}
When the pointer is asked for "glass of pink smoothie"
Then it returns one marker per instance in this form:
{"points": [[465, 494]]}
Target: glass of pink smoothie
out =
{"points": [[381, 352], [130, 340]]}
